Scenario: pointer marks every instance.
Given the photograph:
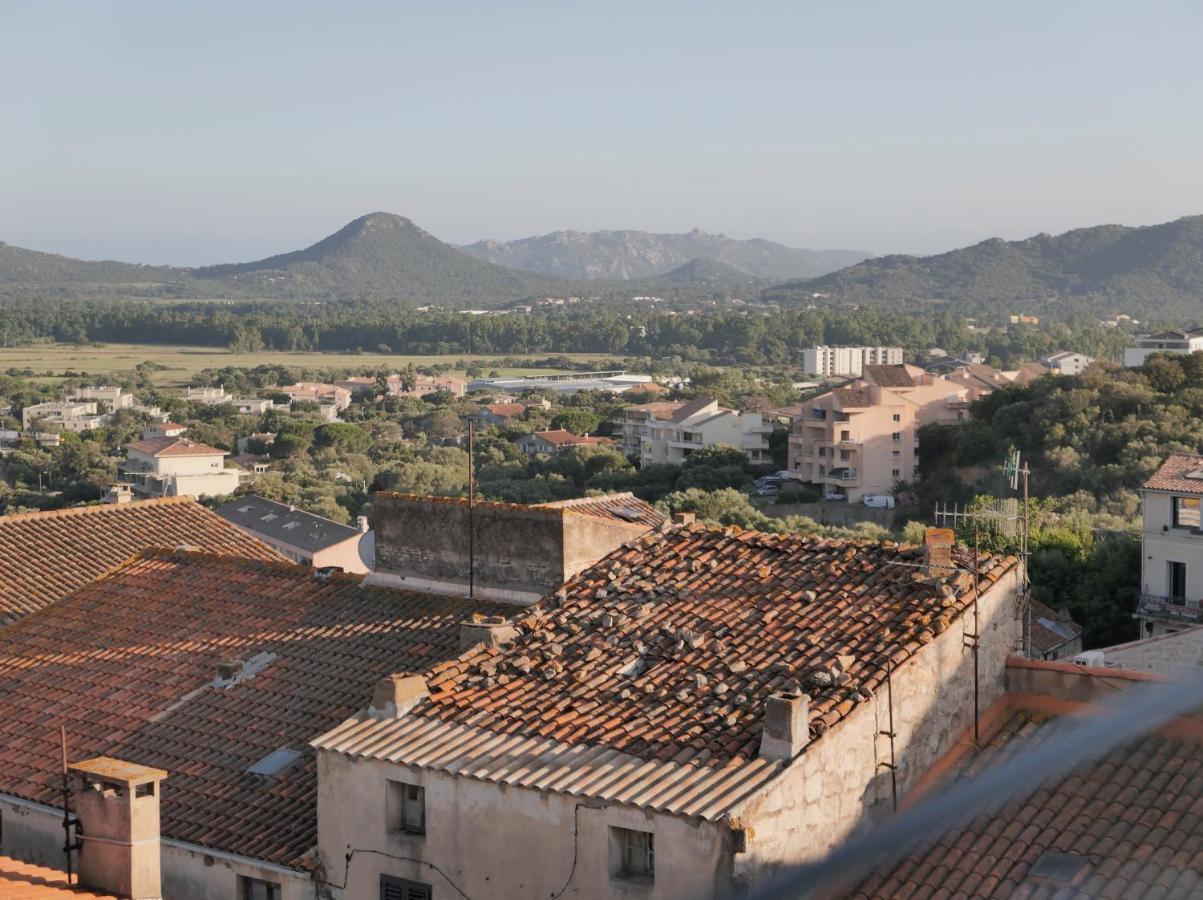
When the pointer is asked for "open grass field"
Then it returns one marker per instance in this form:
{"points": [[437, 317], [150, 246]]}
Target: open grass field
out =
{"points": [[52, 362]]}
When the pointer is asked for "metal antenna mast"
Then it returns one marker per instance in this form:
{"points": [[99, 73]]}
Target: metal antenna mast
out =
{"points": [[471, 510]]}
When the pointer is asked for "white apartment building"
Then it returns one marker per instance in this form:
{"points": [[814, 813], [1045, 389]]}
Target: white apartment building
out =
{"points": [[1173, 341], [1067, 362], [825, 360], [208, 395], [68, 415], [1172, 542], [669, 432], [326, 395], [176, 466], [112, 397]]}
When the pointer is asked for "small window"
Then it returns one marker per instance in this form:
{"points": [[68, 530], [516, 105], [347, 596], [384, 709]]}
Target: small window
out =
{"points": [[635, 854], [897, 417], [895, 454], [896, 436], [896, 472], [406, 808], [393, 888], [257, 889], [1186, 512]]}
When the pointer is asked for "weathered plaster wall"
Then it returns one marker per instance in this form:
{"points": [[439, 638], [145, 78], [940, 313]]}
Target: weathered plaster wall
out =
{"points": [[496, 841]]}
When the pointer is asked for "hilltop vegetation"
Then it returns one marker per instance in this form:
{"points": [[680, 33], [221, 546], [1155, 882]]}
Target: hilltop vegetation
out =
{"points": [[635, 255], [1154, 272]]}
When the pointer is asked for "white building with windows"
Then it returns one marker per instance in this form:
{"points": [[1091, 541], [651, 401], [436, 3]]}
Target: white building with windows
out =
{"points": [[1173, 341], [668, 432], [824, 360], [1172, 543], [1067, 362], [176, 466]]}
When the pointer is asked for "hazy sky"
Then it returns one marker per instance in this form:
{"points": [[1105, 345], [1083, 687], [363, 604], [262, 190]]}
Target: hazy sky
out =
{"points": [[199, 132]]}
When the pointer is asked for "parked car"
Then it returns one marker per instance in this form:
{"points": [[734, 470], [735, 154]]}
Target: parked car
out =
{"points": [[787, 475], [768, 490], [878, 501], [834, 496]]}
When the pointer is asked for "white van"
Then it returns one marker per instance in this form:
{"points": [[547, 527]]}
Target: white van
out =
{"points": [[878, 501]]}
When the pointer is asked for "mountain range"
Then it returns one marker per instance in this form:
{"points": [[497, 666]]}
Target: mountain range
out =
{"points": [[632, 255], [1150, 272], [1154, 271]]}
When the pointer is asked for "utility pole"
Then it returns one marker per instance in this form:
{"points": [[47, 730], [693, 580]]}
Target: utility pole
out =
{"points": [[471, 510]]}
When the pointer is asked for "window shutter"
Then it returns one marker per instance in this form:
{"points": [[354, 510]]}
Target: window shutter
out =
{"points": [[393, 888]]}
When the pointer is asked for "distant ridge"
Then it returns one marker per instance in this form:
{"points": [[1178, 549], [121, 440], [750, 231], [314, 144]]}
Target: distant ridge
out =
{"points": [[632, 255], [1154, 271]]}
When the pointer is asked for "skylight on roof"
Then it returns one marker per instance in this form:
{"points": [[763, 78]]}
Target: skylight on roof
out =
{"points": [[1196, 474], [288, 525], [1056, 866], [627, 512], [246, 508], [275, 762], [269, 517]]}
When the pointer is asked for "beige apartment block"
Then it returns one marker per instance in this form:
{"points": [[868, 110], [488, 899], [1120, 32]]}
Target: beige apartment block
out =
{"points": [[176, 467], [863, 438], [1171, 596], [669, 432]]}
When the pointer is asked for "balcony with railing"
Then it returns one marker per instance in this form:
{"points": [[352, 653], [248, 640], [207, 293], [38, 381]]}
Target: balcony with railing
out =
{"points": [[1155, 606]]}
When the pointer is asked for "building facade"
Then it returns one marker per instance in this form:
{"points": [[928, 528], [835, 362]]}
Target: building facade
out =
{"points": [[176, 467], [824, 360], [669, 432], [863, 438], [1067, 362], [1173, 341], [1172, 544]]}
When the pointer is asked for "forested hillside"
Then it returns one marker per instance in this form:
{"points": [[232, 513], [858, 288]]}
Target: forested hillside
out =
{"points": [[1154, 272]]}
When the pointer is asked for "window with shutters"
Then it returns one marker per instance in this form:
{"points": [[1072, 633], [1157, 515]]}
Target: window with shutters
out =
{"points": [[406, 808], [393, 888], [257, 889]]}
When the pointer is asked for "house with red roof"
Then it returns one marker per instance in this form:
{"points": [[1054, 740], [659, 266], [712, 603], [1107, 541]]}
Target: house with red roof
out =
{"points": [[174, 466], [557, 441]]}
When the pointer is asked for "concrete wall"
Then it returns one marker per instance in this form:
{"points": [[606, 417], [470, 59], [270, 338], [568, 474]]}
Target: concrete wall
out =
{"points": [[1171, 654], [837, 786], [496, 841], [34, 833], [517, 548], [1163, 543]]}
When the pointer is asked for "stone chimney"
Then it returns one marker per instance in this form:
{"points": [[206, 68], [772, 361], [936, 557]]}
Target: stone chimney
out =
{"points": [[117, 808], [119, 492], [684, 518], [395, 695], [786, 726], [492, 631], [937, 551]]}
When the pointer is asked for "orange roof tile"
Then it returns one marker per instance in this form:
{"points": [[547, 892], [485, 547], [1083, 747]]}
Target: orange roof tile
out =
{"points": [[668, 647], [1177, 474], [173, 446], [129, 664], [561, 438], [46, 555], [1128, 826], [25, 881]]}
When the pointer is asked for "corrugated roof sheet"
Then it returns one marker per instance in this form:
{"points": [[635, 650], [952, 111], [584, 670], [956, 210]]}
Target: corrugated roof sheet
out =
{"points": [[548, 765]]}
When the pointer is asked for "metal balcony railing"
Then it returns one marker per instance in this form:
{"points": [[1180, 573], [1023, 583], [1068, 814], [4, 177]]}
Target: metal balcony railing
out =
{"points": [[1158, 606]]}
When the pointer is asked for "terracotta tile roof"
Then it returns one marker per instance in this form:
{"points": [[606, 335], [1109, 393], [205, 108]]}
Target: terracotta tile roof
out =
{"points": [[173, 446], [1050, 629], [890, 376], [852, 397], [624, 507], [1131, 820], [130, 665], [662, 409], [561, 438], [25, 881], [506, 410], [668, 647], [47, 555], [1176, 473], [647, 387], [691, 409]]}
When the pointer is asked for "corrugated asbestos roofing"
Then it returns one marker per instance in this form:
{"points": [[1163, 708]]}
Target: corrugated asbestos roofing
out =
{"points": [[1173, 475], [624, 508], [665, 652], [1132, 823], [26, 881], [46, 555], [130, 664]]}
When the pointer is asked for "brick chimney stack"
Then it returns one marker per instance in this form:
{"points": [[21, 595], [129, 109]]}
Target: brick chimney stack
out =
{"points": [[117, 806], [937, 551]]}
